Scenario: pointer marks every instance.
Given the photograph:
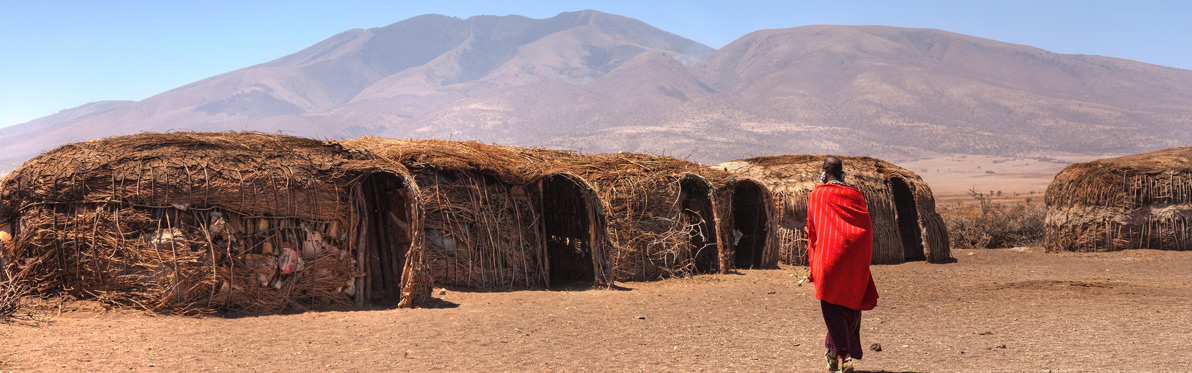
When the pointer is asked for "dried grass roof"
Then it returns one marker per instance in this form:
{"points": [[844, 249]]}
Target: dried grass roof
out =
{"points": [[1120, 181], [801, 166], [226, 169], [506, 163]]}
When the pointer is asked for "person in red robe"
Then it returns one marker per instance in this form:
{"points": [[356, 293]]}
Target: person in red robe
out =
{"points": [[839, 248]]}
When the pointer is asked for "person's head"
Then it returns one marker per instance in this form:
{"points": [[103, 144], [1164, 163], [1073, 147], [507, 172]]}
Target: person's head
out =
{"points": [[833, 169]]}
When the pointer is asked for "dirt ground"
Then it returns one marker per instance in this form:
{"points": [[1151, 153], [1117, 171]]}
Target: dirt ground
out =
{"points": [[992, 310]]}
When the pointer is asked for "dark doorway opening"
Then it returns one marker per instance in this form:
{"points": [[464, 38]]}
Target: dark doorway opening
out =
{"points": [[567, 229], [908, 220], [748, 225], [385, 237], [696, 200]]}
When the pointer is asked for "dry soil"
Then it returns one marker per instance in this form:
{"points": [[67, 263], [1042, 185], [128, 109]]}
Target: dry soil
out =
{"points": [[992, 310]]}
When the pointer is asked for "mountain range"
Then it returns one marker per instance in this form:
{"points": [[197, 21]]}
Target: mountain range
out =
{"points": [[599, 82]]}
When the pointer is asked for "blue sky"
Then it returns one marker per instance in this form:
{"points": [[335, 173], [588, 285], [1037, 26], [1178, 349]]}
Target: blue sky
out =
{"points": [[56, 55]]}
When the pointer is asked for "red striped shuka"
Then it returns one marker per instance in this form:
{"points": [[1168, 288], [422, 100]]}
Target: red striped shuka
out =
{"points": [[839, 246]]}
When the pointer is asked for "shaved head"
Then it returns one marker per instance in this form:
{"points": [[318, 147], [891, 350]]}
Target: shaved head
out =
{"points": [[834, 168]]}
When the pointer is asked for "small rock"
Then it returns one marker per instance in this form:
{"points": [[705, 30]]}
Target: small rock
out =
{"points": [[442, 291], [640, 317], [772, 292], [151, 365], [1001, 346], [985, 333], [876, 347]]}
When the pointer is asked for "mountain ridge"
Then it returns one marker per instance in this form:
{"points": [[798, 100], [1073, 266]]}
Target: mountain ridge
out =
{"points": [[602, 82]]}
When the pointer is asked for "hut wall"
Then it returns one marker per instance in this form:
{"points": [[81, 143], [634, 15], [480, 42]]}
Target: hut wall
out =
{"points": [[1108, 205], [936, 245], [647, 229], [480, 232], [643, 200]]}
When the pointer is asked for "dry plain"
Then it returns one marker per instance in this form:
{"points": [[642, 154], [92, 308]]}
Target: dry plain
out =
{"points": [[951, 177]]}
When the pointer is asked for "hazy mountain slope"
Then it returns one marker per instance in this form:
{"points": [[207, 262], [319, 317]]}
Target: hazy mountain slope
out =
{"points": [[12, 156], [945, 92], [599, 82]]}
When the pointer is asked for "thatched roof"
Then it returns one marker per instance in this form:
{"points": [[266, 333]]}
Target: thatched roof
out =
{"points": [[178, 222], [505, 163], [791, 177], [1141, 201], [184, 168]]}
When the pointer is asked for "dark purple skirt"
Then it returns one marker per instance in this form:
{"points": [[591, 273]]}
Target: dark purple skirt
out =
{"points": [[844, 330]]}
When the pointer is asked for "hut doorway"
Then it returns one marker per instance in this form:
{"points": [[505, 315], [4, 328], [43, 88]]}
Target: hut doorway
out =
{"points": [[908, 220], [749, 225], [696, 200], [566, 222], [384, 237]]}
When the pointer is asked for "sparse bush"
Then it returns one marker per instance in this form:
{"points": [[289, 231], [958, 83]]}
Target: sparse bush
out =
{"points": [[12, 290], [10, 297], [993, 225]]}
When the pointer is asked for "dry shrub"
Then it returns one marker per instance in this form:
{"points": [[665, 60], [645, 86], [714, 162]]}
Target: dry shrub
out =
{"points": [[12, 289], [11, 293], [990, 224]]}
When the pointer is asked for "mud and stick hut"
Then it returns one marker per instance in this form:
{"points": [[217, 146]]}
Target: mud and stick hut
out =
{"points": [[201, 222], [661, 212], [495, 218], [1141, 201], [901, 206]]}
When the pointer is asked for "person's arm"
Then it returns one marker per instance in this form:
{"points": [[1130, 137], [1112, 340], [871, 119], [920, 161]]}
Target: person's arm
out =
{"points": [[810, 233]]}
